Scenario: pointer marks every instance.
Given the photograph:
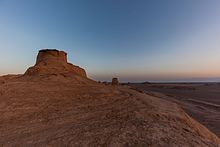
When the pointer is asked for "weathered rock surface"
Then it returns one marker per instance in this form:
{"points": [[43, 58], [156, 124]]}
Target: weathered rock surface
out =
{"points": [[52, 61]]}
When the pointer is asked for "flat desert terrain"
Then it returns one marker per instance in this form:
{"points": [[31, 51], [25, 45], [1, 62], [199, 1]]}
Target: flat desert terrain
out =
{"points": [[200, 100]]}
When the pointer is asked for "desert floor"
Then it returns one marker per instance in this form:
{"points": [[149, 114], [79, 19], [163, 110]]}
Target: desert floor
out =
{"points": [[59, 110]]}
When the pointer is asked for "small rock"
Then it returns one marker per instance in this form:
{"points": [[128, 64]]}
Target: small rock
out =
{"points": [[115, 81]]}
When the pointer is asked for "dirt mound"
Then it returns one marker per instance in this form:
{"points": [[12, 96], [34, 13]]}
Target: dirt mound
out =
{"points": [[51, 62]]}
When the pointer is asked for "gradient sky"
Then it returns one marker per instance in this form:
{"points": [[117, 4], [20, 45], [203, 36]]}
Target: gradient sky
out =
{"points": [[135, 40]]}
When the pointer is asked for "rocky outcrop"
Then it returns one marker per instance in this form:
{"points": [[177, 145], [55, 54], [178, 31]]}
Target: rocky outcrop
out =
{"points": [[51, 56], [115, 81], [52, 61]]}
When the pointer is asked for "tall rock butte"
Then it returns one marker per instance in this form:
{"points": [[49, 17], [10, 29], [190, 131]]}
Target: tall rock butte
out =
{"points": [[52, 61]]}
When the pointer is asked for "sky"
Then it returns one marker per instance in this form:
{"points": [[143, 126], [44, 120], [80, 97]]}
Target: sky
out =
{"points": [[134, 40]]}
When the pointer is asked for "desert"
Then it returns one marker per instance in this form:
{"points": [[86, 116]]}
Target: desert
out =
{"points": [[54, 103], [109, 73]]}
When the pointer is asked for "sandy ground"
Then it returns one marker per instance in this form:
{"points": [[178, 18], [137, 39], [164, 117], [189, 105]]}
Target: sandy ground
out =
{"points": [[199, 100], [58, 110]]}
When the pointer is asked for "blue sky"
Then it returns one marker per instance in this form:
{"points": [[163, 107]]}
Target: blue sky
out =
{"points": [[135, 40]]}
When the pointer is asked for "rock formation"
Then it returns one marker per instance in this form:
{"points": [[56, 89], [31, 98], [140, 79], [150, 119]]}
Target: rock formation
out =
{"points": [[76, 111], [115, 81], [52, 61]]}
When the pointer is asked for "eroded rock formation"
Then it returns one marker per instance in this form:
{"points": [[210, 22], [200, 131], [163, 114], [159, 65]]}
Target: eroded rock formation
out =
{"points": [[115, 81], [52, 61]]}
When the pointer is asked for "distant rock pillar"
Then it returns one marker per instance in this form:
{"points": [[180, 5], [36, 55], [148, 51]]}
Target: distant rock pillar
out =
{"points": [[115, 81]]}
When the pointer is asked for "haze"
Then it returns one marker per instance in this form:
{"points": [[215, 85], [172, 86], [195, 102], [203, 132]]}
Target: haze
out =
{"points": [[133, 40]]}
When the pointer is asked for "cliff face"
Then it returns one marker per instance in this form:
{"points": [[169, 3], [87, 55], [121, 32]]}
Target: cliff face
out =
{"points": [[52, 61], [51, 57]]}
